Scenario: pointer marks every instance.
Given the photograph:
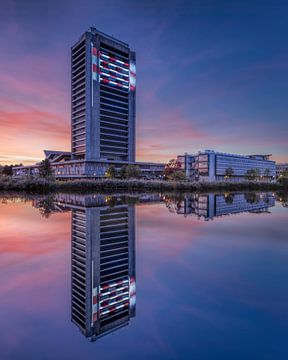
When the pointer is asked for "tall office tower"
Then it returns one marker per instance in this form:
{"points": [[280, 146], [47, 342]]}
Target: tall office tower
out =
{"points": [[103, 296], [103, 83]]}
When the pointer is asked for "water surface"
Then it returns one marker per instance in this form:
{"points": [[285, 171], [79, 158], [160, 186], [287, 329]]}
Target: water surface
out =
{"points": [[146, 277]]}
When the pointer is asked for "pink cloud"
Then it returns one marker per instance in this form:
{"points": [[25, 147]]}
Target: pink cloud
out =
{"points": [[24, 135]]}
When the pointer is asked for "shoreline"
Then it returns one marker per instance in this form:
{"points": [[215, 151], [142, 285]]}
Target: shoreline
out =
{"points": [[117, 185]]}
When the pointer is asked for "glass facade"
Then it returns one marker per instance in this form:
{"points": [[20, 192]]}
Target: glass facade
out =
{"points": [[213, 166], [103, 84]]}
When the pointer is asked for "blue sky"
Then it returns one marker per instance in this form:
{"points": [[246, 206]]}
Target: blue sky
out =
{"points": [[210, 74]]}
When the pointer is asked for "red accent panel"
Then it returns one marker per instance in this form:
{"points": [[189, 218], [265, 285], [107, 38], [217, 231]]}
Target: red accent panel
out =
{"points": [[94, 51]]}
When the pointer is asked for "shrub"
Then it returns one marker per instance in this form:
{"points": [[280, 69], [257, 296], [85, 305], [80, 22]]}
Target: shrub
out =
{"points": [[132, 171], [111, 172], [45, 169], [171, 167], [229, 172], [177, 176]]}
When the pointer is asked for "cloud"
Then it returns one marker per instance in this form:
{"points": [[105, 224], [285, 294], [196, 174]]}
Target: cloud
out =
{"points": [[24, 135]]}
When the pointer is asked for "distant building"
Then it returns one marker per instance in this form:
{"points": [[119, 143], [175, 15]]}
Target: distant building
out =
{"points": [[281, 168], [210, 165], [103, 86]]}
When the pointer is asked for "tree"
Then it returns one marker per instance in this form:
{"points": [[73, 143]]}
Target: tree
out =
{"points": [[45, 169], [7, 170], [257, 173], [283, 180], [132, 171], [173, 170], [267, 173], [285, 173], [111, 201], [111, 172], [251, 174], [123, 172], [229, 172], [251, 198], [46, 206], [229, 198], [178, 176]]}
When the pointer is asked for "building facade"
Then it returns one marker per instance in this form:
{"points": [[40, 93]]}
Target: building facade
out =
{"points": [[212, 166], [103, 85], [103, 90], [75, 169]]}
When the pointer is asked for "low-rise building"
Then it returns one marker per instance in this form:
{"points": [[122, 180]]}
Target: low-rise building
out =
{"points": [[212, 166], [65, 168]]}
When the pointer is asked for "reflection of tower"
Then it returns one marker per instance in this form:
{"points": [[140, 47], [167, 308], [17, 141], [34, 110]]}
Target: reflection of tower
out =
{"points": [[102, 268]]}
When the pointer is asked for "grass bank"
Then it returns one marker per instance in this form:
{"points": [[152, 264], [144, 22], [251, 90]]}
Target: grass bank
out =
{"points": [[38, 185]]}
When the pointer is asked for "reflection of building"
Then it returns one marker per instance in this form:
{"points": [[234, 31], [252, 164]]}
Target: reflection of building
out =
{"points": [[211, 205], [102, 264], [209, 165]]}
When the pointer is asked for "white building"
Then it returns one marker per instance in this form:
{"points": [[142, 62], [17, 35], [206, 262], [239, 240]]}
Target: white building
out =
{"points": [[212, 166]]}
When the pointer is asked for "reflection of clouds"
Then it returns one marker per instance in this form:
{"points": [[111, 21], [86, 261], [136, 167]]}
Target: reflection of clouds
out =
{"points": [[218, 278], [160, 228], [25, 237], [33, 270], [197, 282]]}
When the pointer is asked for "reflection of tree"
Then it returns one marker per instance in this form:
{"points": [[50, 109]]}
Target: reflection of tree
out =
{"points": [[173, 202], [121, 199], [266, 199], [45, 169], [46, 206], [282, 196], [252, 174], [251, 198], [229, 172], [229, 198], [111, 201]]}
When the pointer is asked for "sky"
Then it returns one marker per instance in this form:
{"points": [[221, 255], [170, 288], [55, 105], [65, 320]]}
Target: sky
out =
{"points": [[210, 74]]}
